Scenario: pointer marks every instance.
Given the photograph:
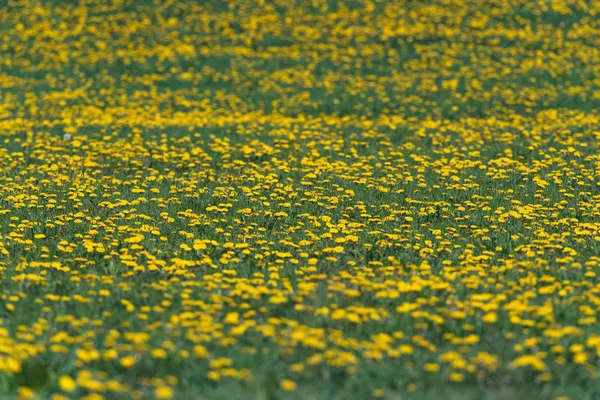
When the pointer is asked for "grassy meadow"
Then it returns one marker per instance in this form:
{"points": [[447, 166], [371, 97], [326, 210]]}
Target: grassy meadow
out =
{"points": [[299, 199]]}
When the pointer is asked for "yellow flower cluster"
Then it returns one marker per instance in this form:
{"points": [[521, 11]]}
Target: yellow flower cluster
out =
{"points": [[231, 199]]}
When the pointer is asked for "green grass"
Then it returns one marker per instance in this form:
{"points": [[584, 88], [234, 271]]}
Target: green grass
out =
{"points": [[318, 168]]}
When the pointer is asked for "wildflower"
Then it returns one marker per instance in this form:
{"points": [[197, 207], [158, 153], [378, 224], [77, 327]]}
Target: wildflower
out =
{"points": [[288, 385], [163, 392], [66, 383]]}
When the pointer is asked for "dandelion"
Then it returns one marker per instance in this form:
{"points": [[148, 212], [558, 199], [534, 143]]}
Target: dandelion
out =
{"points": [[128, 361], [288, 385], [163, 392], [66, 383], [333, 188]]}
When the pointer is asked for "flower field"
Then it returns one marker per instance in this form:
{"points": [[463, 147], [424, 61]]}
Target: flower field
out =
{"points": [[306, 199]]}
